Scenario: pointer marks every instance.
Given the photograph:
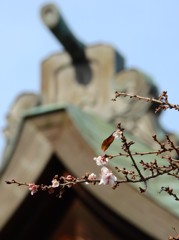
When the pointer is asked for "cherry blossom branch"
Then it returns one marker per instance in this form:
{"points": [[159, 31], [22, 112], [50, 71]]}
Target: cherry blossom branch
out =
{"points": [[163, 102], [163, 149], [172, 145], [59, 184], [135, 176], [126, 147], [170, 192]]}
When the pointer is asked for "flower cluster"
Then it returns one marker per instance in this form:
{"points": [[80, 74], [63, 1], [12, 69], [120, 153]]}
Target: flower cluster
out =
{"points": [[101, 160], [106, 176], [57, 183]]}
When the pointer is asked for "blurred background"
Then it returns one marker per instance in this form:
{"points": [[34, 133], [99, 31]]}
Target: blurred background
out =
{"points": [[145, 32]]}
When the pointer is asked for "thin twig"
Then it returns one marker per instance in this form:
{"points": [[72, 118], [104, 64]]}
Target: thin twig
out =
{"points": [[162, 101]]}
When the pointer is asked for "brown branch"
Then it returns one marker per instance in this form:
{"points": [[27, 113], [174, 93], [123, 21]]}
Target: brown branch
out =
{"points": [[69, 183], [163, 102], [18, 183], [126, 147], [156, 152], [171, 143], [170, 192]]}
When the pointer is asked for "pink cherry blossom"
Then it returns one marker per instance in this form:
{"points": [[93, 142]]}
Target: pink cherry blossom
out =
{"points": [[101, 160], [70, 178], [55, 183], [107, 178], [33, 188]]}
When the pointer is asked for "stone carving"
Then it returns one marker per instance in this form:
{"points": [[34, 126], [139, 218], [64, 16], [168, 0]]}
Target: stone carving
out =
{"points": [[88, 76], [104, 70], [81, 76]]}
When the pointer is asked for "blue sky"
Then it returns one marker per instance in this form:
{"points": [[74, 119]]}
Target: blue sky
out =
{"points": [[146, 33]]}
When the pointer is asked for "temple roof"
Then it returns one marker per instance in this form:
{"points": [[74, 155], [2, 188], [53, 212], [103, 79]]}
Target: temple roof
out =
{"points": [[76, 137]]}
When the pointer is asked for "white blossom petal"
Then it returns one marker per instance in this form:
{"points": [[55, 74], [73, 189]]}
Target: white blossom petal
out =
{"points": [[107, 178], [117, 134], [55, 183], [101, 160]]}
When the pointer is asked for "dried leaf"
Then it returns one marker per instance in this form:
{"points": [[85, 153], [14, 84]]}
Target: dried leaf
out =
{"points": [[107, 142]]}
